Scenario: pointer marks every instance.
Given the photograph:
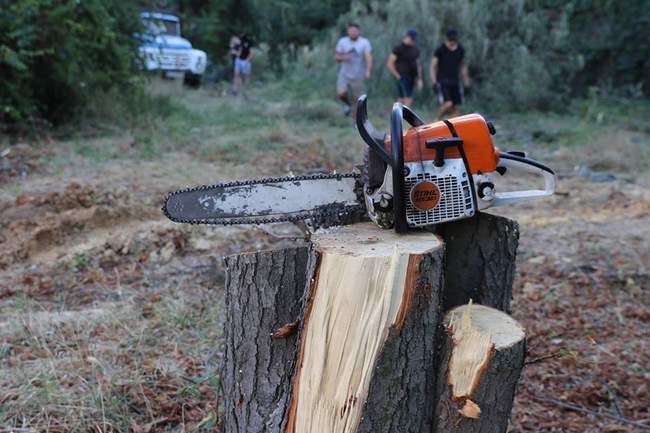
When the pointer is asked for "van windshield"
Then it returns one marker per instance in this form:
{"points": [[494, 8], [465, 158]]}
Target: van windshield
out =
{"points": [[157, 27]]}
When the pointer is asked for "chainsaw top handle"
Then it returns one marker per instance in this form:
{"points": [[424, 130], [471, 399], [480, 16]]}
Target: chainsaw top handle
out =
{"points": [[372, 136]]}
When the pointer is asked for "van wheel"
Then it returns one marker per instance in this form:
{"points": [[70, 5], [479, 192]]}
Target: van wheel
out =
{"points": [[192, 80]]}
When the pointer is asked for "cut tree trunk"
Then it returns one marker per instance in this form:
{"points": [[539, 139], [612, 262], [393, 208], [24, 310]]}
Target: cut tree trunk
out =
{"points": [[480, 257], [369, 333], [344, 335], [264, 293], [482, 357]]}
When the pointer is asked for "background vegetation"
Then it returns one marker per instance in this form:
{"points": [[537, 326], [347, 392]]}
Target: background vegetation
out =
{"points": [[57, 57]]}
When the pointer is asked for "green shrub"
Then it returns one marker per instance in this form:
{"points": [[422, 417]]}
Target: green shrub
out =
{"points": [[514, 53], [56, 54], [613, 41], [522, 54]]}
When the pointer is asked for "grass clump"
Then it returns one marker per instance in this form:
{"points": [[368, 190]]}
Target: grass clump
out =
{"points": [[115, 371]]}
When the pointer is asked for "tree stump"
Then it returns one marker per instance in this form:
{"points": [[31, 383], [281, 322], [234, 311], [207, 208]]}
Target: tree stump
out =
{"points": [[480, 257], [482, 357], [343, 335]]}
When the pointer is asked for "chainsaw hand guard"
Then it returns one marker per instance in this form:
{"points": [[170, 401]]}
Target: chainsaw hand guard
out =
{"points": [[513, 161]]}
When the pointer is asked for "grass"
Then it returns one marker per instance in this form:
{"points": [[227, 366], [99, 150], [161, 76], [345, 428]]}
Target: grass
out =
{"points": [[279, 117], [115, 371]]}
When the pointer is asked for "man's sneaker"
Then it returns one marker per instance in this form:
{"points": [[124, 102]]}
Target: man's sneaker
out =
{"points": [[347, 110]]}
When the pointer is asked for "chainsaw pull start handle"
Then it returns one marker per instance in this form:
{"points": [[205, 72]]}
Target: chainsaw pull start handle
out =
{"points": [[510, 161]]}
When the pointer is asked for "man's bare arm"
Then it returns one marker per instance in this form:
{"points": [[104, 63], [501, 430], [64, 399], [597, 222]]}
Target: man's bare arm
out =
{"points": [[391, 66], [465, 75], [432, 69], [342, 57], [368, 56]]}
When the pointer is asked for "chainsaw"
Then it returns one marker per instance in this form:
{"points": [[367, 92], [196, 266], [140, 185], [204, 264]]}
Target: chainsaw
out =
{"points": [[427, 175]]}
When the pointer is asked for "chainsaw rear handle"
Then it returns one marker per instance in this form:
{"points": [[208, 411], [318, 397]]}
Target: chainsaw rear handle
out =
{"points": [[516, 162]]}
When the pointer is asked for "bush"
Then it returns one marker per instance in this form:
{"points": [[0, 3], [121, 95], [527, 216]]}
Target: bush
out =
{"points": [[613, 40], [522, 54], [55, 55], [514, 54]]}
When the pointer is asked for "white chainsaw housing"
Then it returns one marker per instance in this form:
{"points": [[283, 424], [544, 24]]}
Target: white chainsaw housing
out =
{"points": [[459, 198], [456, 195], [456, 201]]}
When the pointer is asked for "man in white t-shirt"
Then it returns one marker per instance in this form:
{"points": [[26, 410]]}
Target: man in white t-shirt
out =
{"points": [[354, 53]]}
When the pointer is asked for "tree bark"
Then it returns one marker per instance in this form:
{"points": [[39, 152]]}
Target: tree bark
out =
{"points": [[482, 357], [264, 293], [479, 261]]}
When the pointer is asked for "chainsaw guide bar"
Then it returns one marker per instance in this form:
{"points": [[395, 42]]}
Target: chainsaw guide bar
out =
{"points": [[265, 200]]}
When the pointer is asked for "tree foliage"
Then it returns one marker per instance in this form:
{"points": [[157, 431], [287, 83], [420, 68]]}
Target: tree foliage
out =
{"points": [[282, 25], [54, 55], [522, 54], [612, 39]]}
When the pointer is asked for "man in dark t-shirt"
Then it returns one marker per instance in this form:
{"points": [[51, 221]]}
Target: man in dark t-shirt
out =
{"points": [[446, 69], [404, 65], [243, 63]]}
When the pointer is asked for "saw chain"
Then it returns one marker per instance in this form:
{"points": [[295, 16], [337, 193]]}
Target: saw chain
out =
{"points": [[317, 216]]}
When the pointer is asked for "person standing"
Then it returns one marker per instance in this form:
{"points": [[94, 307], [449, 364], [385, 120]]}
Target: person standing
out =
{"points": [[243, 64], [404, 64], [235, 48], [354, 54], [445, 70]]}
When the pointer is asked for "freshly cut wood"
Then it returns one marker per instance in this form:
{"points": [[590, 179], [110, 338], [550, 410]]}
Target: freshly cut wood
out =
{"points": [[480, 257], [483, 354], [368, 339]]}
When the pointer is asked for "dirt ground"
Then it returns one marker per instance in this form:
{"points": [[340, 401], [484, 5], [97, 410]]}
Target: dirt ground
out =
{"points": [[110, 316]]}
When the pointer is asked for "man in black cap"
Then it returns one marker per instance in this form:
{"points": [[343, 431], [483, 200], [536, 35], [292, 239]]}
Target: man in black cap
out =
{"points": [[445, 70], [404, 65]]}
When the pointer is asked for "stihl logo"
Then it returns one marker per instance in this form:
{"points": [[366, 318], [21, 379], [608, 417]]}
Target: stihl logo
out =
{"points": [[425, 195]]}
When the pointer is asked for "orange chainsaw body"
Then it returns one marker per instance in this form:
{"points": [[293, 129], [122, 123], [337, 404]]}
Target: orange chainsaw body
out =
{"points": [[482, 156]]}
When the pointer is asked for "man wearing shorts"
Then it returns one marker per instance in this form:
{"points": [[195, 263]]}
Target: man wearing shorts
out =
{"points": [[446, 69], [354, 53], [243, 64], [404, 65]]}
